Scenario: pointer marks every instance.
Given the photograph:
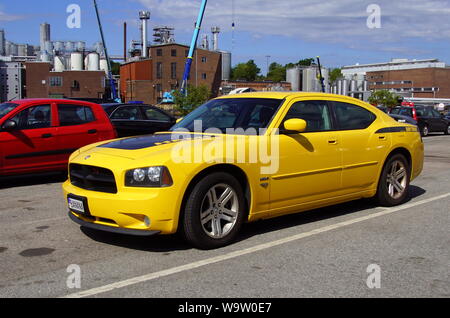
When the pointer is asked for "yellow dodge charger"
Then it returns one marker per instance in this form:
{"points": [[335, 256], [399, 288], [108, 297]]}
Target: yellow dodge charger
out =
{"points": [[242, 158]]}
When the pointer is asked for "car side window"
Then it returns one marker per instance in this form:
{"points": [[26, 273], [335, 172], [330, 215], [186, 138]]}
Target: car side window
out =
{"points": [[154, 114], [127, 113], [351, 117], [70, 115], [34, 117], [435, 113], [406, 112], [315, 113]]}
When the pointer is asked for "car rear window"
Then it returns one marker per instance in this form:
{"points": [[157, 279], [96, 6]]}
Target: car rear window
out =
{"points": [[6, 108], [70, 115]]}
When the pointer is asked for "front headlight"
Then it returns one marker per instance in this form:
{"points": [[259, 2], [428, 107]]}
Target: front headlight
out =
{"points": [[148, 177]]}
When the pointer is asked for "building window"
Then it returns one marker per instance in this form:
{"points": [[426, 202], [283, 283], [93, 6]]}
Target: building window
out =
{"points": [[173, 70], [204, 59], [204, 76], [159, 52], [55, 81], [159, 70], [173, 52]]}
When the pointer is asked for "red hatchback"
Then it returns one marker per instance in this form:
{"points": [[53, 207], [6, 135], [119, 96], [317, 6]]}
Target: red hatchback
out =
{"points": [[38, 135]]}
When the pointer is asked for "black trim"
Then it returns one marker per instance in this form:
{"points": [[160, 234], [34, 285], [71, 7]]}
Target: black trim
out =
{"points": [[42, 153], [390, 130], [111, 229], [135, 143]]}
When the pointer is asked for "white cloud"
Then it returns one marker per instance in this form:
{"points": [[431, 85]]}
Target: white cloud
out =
{"points": [[338, 21], [4, 17]]}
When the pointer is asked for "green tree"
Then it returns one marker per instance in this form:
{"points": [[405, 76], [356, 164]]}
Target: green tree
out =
{"points": [[245, 71], [306, 62], [334, 75], [115, 68], [195, 97], [384, 98], [277, 72]]}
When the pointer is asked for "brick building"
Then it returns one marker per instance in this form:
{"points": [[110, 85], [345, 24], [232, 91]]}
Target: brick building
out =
{"points": [[430, 82], [147, 80], [42, 82]]}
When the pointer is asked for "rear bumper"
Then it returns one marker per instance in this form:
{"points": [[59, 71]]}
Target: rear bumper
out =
{"points": [[111, 229]]}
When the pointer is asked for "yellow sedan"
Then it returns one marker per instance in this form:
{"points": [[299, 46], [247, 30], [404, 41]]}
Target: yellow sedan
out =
{"points": [[243, 158]]}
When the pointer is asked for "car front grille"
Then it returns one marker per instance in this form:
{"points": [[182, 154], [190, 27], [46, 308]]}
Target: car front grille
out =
{"points": [[92, 178]]}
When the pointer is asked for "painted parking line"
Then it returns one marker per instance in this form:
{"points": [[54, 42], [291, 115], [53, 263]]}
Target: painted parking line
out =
{"points": [[235, 254]]}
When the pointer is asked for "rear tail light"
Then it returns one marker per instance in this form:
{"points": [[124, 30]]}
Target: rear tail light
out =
{"points": [[414, 114]]}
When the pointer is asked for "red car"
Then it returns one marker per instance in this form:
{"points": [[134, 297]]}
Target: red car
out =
{"points": [[38, 135]]}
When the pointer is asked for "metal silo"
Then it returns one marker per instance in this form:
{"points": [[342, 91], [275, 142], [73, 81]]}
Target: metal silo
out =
{"points": [[44, 35], [293, 76], [69, 46], [226, 65], [80, 46], [76, 61], [59, 63], [345, 87], [339, 87], [104, 66], [93, 61], [59, 46]]}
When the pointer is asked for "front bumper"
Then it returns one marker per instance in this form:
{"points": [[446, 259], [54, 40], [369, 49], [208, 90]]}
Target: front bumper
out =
{"points": [[111, 229], [125, 211]]}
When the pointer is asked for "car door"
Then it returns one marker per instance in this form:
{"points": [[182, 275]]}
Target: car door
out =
{"points": [[157, 120], [129, 121], [76, 128], [363, 148], [309, 162], [440, 124], [30, 146]]}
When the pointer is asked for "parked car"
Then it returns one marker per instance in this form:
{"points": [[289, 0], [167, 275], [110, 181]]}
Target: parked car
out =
{"points": [[404, 119], [428, 119], [326, 149], [138, 119], [38, 135]]}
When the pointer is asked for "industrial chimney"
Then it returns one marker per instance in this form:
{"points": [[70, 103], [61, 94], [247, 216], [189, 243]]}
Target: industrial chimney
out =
{"points": [[215, 31], [45, 36], [144, 16]]}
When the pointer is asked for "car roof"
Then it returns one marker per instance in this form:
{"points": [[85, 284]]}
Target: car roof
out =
{"points": [[48, 100], [284, 95]]}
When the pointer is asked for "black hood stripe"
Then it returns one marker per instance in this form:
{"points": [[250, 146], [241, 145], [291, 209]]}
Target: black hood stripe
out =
{"points": [[148, 141]]}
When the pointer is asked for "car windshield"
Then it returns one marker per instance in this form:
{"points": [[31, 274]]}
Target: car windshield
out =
{"points": [[230, 113], [5, 108]]}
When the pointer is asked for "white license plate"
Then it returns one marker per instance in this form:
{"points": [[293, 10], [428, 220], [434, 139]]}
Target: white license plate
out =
{"points": [[76, 205]]}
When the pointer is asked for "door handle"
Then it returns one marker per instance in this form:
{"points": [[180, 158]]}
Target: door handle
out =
{"points": [[382, 137], [332, 141], [92, 131], [47, 136]]}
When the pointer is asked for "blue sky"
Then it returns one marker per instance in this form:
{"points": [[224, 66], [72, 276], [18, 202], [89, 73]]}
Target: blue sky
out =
{"points": [[287, 30]]}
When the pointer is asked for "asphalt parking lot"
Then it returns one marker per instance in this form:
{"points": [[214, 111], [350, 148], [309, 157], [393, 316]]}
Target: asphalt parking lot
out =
{"points": [[321, 253]]}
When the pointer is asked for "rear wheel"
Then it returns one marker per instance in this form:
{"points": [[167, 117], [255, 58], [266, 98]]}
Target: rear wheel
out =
{"points": [[447, 131], [425, 131], [394, 181], [214, 211]]}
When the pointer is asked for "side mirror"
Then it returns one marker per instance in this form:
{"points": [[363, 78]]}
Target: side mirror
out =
{"points": [[295, 125], [179, 119], [9, 125]]}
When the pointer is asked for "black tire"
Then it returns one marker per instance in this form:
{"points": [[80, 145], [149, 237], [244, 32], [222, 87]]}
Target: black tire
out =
{"points": [[386, 195], [447, 130], [424, 131], [191, 224]]}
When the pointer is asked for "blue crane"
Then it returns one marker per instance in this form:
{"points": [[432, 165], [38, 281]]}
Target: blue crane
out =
{"points": [[110, 76], [187, 68]]}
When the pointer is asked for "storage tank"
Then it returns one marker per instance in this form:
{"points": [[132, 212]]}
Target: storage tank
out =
{"points": [[293, 76], [45, 57], [69, 46], [93, 61], [104, 66], [59, 46], [339, 87], [344, 87], [22, 50], [76, 61], [59, 63], [226, 65], [80, 46], [353, 86], [49, 47]]}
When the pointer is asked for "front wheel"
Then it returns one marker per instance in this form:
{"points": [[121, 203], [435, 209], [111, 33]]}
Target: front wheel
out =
{"points": [[424, 131], [447, 130], [394, 181], [214, 211]]}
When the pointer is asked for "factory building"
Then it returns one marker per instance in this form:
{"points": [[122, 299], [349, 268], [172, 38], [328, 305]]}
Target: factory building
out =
{"points": [[12, 79]]}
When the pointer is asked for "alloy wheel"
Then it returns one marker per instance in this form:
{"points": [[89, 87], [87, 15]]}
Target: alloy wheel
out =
{"points": [[219, 210], [397, 179]]}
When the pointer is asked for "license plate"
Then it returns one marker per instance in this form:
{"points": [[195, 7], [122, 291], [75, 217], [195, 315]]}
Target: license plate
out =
{"points": [[76, 205]]}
